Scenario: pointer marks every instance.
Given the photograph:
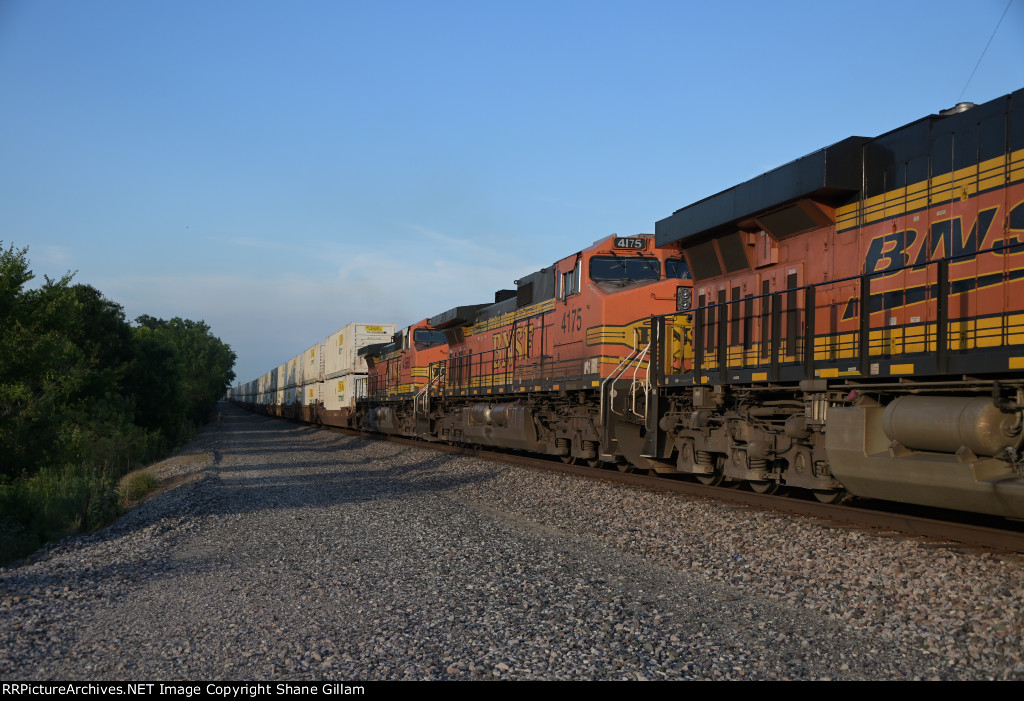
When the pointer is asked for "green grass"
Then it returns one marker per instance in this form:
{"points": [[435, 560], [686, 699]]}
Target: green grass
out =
{"points": [[138, 484], [52, 504]]}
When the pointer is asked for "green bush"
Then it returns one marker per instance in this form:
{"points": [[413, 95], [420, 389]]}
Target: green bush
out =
{"points": [[83, 389], [51, 504], [138, 484]]}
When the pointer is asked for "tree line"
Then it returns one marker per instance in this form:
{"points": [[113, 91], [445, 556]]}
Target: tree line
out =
{"points": [[85, 397]]}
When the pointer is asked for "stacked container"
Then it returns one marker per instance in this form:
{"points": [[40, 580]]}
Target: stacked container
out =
{"points": [[342, 352], [312, 374], [343, 365], [293, 375]]}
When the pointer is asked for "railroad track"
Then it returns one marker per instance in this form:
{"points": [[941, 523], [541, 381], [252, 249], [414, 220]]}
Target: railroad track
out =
{"points": [[972, 530]]}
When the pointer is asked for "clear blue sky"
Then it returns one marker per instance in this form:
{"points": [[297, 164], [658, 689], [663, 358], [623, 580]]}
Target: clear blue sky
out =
{"points": [[279, 169]]}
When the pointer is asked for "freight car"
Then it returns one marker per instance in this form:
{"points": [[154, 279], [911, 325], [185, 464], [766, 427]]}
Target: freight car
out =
{"points": [[318, 385], [849, 323]]}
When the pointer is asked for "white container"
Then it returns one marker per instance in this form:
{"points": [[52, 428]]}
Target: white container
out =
{"points": [[313, 364], [292, 395], [341, 350], [295, 374], [266, 383], [311, 393], [340, 392]]}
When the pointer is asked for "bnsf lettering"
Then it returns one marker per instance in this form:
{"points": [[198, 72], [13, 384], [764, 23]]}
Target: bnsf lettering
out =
{"points": [[947, 239], [1014, 240], [889, 252], [893, 251], [520, 346]]}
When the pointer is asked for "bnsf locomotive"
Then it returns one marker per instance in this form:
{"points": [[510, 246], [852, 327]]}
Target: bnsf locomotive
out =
{"points": [[849, 323]]}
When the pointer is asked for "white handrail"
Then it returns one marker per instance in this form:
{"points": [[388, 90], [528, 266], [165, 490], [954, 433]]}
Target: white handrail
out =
{"points": [[619, 371], [645, 383], [424, 392]]}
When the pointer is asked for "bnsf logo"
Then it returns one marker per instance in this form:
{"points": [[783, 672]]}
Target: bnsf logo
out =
{"points": [[519, 347], [946, 239], [889, 253]]}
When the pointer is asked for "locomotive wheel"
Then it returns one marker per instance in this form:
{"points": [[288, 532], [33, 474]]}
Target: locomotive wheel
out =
{"points": [[829, 496], [567, 459], [713, 479], [594, 462], [764, 486], [631, 469]]}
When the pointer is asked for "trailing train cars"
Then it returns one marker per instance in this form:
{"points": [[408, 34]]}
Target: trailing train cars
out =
{"points": [[318, 385], [849, 323]]}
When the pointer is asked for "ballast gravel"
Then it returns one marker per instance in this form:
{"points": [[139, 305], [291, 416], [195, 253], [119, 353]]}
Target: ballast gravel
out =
{"points": [[290, 553]]}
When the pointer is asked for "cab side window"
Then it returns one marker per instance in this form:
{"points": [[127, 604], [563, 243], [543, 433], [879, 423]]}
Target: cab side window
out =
{"points": [[677, 268], [569, 282]]}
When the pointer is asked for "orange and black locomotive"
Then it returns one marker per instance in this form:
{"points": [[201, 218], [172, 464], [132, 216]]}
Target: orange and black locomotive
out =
{"points": [[849, 323]]}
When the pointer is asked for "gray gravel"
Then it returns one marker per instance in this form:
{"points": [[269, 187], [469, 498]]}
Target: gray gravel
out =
{"points": [[302, 554]]}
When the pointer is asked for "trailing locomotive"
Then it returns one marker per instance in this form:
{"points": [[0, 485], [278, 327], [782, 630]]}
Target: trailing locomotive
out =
{"points": [[539, 367], [849, 323]]}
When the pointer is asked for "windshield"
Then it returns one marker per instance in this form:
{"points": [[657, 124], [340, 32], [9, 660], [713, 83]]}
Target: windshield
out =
{"points": [[624, 269], [428, 336], [677, 268]]}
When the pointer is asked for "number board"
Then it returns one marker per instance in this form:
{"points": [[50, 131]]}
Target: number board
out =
{"points": [[635, 243]]}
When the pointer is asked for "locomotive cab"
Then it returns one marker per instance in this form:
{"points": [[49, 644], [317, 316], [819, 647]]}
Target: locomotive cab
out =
{"points": [[599, 292], [398, 375]]}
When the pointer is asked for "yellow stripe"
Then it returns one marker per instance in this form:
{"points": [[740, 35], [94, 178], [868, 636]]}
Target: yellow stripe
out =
{"points": [[511, 317], [624, 335], [962, 183]]}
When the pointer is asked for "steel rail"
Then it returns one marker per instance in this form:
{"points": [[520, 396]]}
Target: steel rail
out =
{"points": [[1006, 540]]}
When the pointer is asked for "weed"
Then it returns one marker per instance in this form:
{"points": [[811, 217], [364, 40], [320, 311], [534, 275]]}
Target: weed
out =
{"points": [[138, 484]]}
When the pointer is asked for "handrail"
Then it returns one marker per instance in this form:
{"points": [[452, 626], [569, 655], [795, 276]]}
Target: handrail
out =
{"points": [[933, 335], [645, 383], [424, 392], [618, 372]]}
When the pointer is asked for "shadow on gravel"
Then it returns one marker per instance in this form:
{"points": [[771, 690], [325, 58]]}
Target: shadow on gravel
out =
{"points": [[334, 471], [332, 480], [271, 464]]}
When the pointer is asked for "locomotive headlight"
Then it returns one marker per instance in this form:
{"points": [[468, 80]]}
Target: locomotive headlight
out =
{"points": [[683, 298]]}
